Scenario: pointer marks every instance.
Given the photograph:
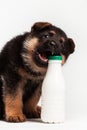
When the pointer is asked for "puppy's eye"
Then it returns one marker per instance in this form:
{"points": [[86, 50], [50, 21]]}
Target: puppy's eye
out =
{"points": [[45, 36]]}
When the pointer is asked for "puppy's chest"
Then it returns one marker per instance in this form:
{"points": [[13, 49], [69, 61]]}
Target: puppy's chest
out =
{"points": [[30, 88], [34, 77], [31, 82]]}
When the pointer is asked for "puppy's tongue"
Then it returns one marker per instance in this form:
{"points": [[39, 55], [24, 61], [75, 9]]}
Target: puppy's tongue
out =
{"points": [[43, 57]]}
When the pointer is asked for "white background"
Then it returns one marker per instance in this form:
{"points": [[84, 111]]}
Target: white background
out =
{"points": [[17, 16]]}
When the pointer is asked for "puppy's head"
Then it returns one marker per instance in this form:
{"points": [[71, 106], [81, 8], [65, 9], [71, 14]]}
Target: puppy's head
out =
{"points": [[46, 40]]}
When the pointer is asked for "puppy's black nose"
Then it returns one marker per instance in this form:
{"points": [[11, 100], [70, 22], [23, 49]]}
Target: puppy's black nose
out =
{"points": [[52, 43]]}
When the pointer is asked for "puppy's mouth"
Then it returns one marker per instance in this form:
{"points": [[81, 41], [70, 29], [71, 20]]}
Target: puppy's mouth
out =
{"points": [[43, 57]]}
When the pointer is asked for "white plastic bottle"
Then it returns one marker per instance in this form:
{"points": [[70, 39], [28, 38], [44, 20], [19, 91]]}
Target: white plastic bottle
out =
{"points": [[53, 92]]}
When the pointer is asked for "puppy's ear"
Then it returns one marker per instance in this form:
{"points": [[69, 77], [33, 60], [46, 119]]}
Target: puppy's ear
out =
{"points": [[39, 26], [71, 45], [68, 48]]}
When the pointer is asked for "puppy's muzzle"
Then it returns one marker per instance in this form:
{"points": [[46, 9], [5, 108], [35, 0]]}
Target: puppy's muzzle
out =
{"points": [[52, 43], [54, 48]]}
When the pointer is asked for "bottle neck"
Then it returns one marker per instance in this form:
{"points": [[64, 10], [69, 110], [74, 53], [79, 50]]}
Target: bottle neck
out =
{"points": [[55, 61], [54, 64]]}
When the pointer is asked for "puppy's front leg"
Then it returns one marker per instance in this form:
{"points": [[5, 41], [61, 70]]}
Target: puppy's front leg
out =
{"points": [[13, 104], [31, 109]]}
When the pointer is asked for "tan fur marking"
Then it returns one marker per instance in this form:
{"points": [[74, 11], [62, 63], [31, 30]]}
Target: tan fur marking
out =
{"points": [[53, 32], [26, 75], [63, 59], [62, 39], [23, 73], [13, 106], [30, 45]]}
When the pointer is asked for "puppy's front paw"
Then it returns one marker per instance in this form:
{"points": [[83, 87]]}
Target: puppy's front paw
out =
{"points": [[35, 113], [16, 118], [39, 111]]}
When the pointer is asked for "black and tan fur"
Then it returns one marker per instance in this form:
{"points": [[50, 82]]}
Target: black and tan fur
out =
{"points": [[23, 65]]}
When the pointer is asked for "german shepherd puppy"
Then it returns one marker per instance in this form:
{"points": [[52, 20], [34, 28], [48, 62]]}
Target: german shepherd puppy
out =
{"points": [[23, 65]]}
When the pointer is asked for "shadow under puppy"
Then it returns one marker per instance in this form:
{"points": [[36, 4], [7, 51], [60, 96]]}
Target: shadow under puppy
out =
{"points": [[23, 65]]}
